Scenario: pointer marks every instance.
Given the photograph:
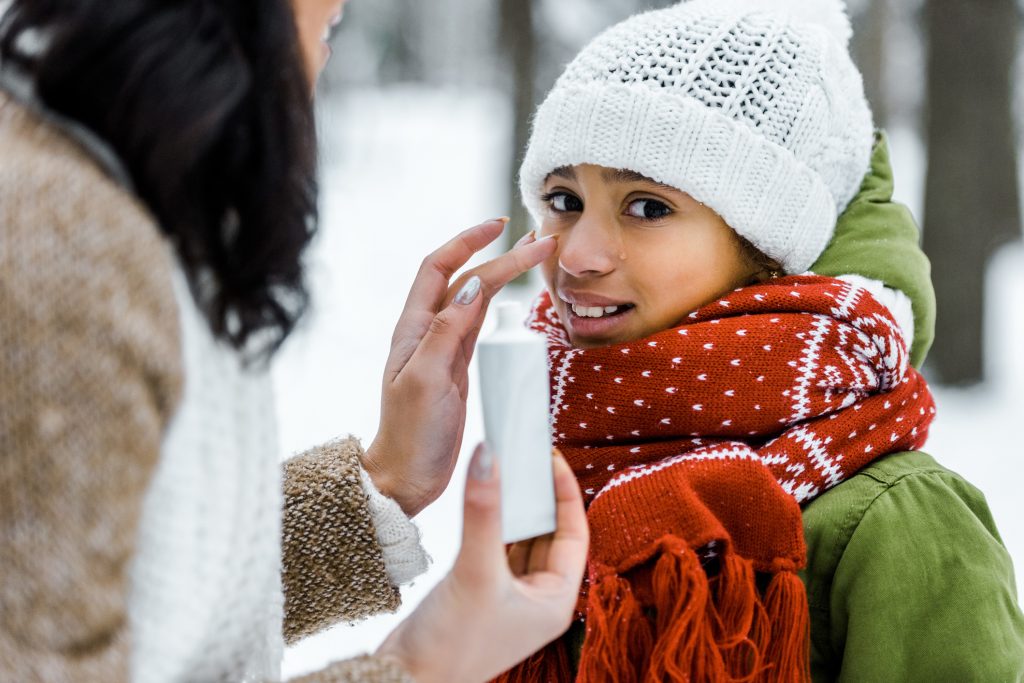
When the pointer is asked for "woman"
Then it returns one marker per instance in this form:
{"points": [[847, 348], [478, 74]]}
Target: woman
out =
{"points": [[157, 189]]}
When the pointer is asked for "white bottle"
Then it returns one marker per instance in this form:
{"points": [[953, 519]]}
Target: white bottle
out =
{"points": [[514, 383]]}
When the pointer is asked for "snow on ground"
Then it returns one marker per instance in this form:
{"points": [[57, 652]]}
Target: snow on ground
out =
{"points": [[406, 169]]}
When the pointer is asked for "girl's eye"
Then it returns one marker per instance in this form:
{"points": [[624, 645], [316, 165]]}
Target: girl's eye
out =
{"points": [[648, 209], [563, 202]]}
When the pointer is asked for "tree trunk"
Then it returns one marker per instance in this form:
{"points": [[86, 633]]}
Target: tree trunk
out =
{"points": [[403, 52], [868, 48], [518, 39], [971, 203]]}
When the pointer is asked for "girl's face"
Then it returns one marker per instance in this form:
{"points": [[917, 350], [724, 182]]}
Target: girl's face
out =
{"points": [[634, 257], [315, 19]]}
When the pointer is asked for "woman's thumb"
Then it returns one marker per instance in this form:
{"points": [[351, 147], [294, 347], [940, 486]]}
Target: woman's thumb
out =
{"points": [[483, 553]]}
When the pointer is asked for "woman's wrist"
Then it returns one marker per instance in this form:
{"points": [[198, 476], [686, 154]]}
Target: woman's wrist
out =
{"points": [[422, 643], [395, 487], [393, 649]]}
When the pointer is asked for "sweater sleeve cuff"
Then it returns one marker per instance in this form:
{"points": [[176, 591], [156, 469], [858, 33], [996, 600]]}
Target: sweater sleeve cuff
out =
{"points": [[333, 567], [399, 537], [897, 302]]}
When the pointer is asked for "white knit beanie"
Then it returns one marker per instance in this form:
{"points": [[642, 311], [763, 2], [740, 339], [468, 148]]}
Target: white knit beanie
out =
{"points": [[753, 107]]}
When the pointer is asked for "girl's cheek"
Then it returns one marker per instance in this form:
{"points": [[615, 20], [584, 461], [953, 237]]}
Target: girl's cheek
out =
{"points": [[548, 227], [549, 266]]}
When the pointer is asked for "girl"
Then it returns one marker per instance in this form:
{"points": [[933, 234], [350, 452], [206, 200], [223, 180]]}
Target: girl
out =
{"points": [[745, 432]]}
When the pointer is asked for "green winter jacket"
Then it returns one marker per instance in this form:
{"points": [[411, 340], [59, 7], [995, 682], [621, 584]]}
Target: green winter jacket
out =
{"points": [[907, 578]]}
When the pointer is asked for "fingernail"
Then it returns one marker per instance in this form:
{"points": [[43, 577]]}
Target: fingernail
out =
{"points": [[468, 292], [481, 467], [526, 239], [548, 237], [500, 219]]}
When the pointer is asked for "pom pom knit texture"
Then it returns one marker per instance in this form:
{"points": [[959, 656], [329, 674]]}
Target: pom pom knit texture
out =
{"points": [[757, 113]]}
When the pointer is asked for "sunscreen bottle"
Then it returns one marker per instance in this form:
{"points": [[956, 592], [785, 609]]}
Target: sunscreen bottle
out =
{"points": [[514, 382]]}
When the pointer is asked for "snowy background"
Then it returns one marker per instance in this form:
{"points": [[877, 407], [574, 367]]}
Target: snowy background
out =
{"points": [[404, 169]]}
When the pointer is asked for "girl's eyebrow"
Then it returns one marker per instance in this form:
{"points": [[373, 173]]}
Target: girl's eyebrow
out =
{"points": [[613, 175], [621, 175], [564, 172]]}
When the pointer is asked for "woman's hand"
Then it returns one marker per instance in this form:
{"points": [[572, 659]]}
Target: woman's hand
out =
{"points": [[426, 379], [494, 609]]}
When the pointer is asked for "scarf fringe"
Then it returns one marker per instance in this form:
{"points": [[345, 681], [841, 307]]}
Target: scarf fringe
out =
{"points": [[619, 634], [686, 648], [735, 611], [719, 630], [549, 665], [787, 652]]}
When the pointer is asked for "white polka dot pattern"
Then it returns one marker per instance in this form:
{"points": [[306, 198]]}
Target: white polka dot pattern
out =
{"points": [[802, 390]]}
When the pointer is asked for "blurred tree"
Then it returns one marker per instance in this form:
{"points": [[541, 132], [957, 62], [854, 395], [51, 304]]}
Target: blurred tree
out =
{"points": [[403, 59], [870, 21], [440, 43], [971, 194], [518, 41]]}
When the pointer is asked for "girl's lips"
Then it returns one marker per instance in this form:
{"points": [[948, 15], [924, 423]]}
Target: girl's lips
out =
{"points": [[597, 328], [570, 297]]}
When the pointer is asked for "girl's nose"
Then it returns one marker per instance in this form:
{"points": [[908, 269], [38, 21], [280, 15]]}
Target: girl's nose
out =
{"points": [[588, 248]]}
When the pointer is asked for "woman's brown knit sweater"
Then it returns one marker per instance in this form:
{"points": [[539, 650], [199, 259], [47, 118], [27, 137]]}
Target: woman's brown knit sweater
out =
{"points": [[91, 375]]}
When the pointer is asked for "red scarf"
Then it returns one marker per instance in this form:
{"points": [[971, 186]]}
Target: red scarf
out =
{"points": [[695, 448]]}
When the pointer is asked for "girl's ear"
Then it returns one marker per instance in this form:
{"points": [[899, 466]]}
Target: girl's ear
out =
{"points": [[762, 266], [771, 271], [763, 275]]}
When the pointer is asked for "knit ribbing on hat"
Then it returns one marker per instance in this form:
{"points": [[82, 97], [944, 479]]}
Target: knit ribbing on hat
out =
{"points": [[757, 114]]}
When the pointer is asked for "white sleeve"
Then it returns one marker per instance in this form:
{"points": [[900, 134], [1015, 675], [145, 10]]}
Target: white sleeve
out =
{"points": [[404, 555], [897, 302]]}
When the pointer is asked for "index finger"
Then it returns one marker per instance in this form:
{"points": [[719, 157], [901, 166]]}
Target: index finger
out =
{"points": [[498, 272], [431, 284]]}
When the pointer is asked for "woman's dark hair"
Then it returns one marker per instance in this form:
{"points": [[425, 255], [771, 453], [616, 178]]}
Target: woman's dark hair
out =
{"points": [[207, 103]]}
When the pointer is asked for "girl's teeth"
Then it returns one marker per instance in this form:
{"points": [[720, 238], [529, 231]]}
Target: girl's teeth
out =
{"points": [[593, 311]]}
